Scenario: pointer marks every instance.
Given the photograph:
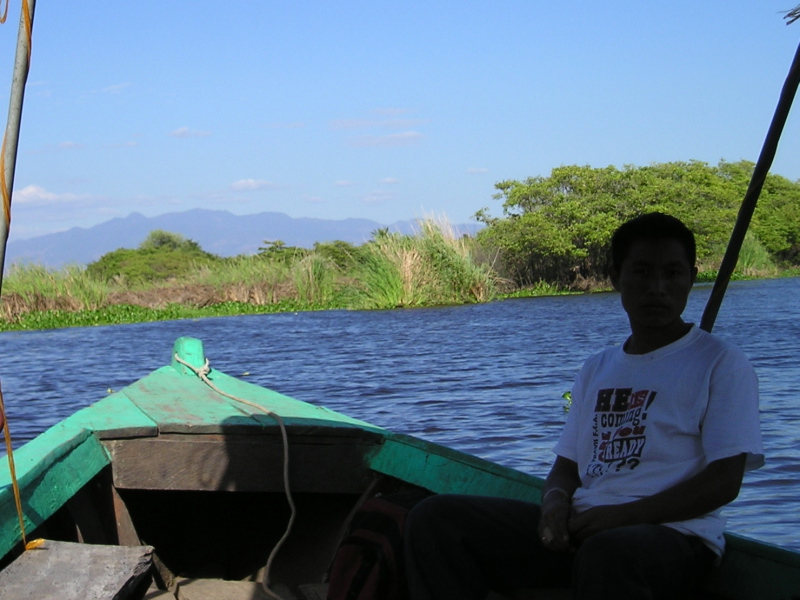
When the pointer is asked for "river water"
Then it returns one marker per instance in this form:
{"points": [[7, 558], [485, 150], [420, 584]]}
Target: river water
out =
{"points": [[486, 379]]}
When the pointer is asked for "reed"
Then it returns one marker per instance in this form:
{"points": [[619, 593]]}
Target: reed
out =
{"points": [[754, 260], [315, 279], [432, 267], [382, 277], [31, 287], [458, 275], [250, 279]]}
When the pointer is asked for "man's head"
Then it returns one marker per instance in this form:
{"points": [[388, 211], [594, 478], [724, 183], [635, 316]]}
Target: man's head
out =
{"points": [[651, 227], [653, 268]]}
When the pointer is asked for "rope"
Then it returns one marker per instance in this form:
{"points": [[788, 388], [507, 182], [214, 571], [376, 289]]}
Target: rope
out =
{"points": [[26, 15], [4, 185], [12, 471], [202, 373], [14, 483]]}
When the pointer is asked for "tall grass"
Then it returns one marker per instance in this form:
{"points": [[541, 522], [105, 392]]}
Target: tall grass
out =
{"points": [[315, 279], [433, 267], [34, 287], [754, 260], [457, 274], [250, 279], [385, 277]]}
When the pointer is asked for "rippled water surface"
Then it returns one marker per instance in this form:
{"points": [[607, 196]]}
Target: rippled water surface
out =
{"points": [[486, 379]]}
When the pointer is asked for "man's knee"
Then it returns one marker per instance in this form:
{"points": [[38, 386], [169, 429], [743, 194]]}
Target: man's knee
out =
{"points": [[646, 561], [602, 553], [433, 517], [423, 513]]}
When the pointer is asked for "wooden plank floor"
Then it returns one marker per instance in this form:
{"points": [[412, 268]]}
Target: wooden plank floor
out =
{"points": [[156, 594], [217, 589], [69, 571]]}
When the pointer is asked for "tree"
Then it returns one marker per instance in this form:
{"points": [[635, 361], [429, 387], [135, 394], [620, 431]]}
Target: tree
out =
{"points": [[271, 246], [343, 254], [158, 239], [162, 255], [558, 228]]}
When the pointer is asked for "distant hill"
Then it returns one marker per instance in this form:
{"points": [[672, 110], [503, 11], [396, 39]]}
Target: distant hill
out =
{"points": [[217, 231]]}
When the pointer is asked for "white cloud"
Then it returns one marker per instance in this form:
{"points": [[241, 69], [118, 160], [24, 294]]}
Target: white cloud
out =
{"points": [[292, 125], [34, 194], [474, 170], [128, 144], [67, 146], [185, 132], [391, 111], [344, 124], [116, 88], [249, 185], [378, 197], [353, 123], [406, 138], [344, 183], [389, 180]]}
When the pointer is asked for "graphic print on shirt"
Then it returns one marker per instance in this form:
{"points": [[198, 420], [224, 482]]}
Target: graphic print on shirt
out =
{"points": [[618, 429]]}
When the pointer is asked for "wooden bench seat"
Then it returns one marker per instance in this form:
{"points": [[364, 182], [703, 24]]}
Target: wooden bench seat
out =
{"points": [[70, 571]]}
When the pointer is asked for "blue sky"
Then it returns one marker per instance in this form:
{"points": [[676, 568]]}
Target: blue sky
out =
{"points": [[378, 110]]}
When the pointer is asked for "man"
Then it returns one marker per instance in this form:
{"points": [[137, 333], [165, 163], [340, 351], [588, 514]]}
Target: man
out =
{"points": [[659, 434]]}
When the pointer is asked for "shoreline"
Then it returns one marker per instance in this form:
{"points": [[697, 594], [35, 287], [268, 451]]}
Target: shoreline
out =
{"points": [[126, 314]]}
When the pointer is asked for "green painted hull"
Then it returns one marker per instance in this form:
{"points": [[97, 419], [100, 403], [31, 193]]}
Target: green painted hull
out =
{"points": [[170, 431]]}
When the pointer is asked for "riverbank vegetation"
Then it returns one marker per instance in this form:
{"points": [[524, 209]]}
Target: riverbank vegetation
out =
{"points": [[552, 237], [169, 277]]}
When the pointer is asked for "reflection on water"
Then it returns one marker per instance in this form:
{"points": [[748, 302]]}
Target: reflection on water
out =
{"points": [[486, 379]]}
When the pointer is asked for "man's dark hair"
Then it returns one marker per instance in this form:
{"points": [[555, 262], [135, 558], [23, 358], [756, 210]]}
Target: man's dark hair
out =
{"points": [[651, 226]]}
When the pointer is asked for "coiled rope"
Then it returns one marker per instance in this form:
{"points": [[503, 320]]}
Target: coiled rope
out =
{"points": [[202, 373]]}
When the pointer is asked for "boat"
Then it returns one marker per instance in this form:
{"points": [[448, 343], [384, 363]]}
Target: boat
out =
{"points": [[185, 468], [190, 484]]}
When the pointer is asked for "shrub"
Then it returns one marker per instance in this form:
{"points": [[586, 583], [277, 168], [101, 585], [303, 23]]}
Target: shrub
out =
{"points": [[162, 255]]}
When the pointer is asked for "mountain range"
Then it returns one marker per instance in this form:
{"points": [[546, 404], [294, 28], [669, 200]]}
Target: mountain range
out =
{"points": [[217, 231]]}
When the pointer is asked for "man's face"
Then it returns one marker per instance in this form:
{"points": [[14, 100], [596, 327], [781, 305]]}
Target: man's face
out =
{"points": [[654, 281]]}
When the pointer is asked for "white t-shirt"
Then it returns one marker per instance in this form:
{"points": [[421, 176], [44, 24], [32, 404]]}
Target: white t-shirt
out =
{"points": [[640, 424]]}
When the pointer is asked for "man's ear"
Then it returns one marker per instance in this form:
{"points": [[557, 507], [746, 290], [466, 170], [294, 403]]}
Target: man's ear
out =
{"points": [[694, 275], [614, 276]]}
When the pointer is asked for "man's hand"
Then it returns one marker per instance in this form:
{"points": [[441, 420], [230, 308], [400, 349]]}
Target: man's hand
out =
{"points": [[714, 486], [553, 526], [557, 505], [595, 520]]}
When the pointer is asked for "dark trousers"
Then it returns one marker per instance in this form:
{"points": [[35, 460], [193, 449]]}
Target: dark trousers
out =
{"points": [[460, 547]]}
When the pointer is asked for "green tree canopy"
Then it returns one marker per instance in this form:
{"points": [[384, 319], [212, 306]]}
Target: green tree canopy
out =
{"points": [[158, 239], [558, 228], [162, 255]]}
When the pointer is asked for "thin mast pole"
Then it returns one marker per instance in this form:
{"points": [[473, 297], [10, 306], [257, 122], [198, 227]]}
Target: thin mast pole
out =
{"points": [[8, 153], [751, 196]]}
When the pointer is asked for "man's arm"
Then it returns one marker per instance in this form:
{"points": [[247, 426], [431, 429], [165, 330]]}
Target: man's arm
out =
{"points": [[716, 485], [561, 483]]}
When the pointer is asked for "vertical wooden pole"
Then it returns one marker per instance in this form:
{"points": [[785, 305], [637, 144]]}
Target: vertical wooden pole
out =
{"points": [[751, 196], [8, 156]]}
